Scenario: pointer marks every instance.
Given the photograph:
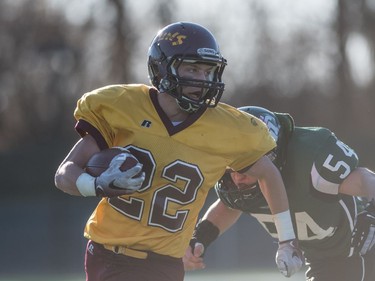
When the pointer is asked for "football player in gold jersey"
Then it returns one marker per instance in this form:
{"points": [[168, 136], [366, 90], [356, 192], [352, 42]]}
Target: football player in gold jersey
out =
{"points": [[184, 139]]}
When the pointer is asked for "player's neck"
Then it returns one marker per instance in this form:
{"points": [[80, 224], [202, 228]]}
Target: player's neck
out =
{"points": [[171, 108]]}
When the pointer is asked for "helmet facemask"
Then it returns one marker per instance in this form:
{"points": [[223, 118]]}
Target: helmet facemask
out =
{"points": [[208, 91], [244, 198]]}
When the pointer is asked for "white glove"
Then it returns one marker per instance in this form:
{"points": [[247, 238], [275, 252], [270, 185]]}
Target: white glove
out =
{"points": [[289, 257], [114, 182]]}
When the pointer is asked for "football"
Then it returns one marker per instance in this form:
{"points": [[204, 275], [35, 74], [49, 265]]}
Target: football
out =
{"points": [[100, 161]]}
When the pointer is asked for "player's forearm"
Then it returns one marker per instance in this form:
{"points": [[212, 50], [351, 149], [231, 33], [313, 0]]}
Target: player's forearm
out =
{"points": [[66, 177], [72, 166], [273, 190], [221, 216], [217, 220], [360, 182], [279, 206]]}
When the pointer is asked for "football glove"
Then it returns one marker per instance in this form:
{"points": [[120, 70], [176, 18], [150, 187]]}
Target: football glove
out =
{"points": [[204, 234], [289, 257], [114, 182], [363, 238]]}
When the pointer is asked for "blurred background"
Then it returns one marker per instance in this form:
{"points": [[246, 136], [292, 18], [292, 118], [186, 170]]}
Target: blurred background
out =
{"points": [[312, 58]]}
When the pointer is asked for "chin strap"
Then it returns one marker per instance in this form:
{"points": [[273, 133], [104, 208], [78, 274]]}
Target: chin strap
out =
{"points": [[187, 106]]}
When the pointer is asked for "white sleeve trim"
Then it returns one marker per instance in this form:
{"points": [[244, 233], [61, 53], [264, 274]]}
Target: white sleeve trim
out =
{"points": [[322, 185]]}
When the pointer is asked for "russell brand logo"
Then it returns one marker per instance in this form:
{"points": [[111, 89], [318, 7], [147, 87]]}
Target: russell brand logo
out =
{"points": [[146, 124]]}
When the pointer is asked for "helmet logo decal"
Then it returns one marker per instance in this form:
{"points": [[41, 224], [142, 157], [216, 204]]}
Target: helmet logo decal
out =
{"points": [[176, 38], [274, 129], [207, 52]]}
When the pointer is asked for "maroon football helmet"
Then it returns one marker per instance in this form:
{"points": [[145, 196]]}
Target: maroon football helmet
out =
{"points": [[192, 43]]}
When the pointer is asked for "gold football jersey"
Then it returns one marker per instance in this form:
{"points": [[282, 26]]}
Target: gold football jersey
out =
{"points": [[181, 163]]}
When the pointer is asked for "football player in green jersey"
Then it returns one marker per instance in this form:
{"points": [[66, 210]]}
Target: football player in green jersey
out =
{"points": [[178, 130], [327, 193]]}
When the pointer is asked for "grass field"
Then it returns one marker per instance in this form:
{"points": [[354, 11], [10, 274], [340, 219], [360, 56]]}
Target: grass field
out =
{"points": [[241, 276], [190, 276]]}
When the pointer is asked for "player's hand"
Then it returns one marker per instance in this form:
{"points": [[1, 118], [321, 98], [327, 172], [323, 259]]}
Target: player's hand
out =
{"points": [[114, 182], [289, 257], [363, 238], [204, 234], [193, 259]]}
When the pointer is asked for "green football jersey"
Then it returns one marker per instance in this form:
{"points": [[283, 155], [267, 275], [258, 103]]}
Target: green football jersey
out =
{"points": [[316, 163]]}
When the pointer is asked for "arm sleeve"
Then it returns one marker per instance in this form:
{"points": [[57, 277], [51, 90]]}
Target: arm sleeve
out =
{"points": [[333, 163], [93, 116]]}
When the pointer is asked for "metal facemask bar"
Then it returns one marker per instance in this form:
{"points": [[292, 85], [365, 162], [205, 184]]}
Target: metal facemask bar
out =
{"points": [[244, 198], [211, 90]]}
